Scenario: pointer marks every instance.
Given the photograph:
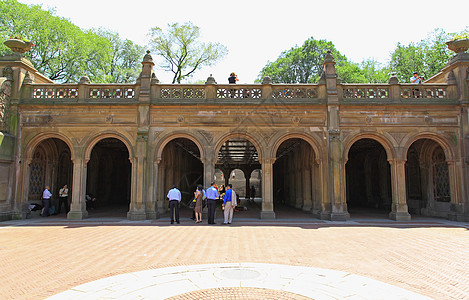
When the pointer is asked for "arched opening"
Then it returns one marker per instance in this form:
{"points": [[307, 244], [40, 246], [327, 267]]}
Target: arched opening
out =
{"points": [[295, 178], [427, 179], [181, 166], [109, 178], [368, 179], [237, 160], [51, 165]]}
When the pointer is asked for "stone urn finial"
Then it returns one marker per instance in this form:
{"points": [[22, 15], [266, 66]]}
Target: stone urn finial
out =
{"points": [[267, 80], [210, 80], [458, 46], [18, 45]]}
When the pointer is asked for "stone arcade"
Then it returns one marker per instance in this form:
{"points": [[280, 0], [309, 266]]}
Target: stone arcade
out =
{"points": [[327, 148]]}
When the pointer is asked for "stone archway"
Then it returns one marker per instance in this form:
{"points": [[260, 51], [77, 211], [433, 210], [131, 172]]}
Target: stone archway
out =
{"points": [[180, 164], [368, 179], [50, 165], [108, 178], [428, 185], [295, 176]]}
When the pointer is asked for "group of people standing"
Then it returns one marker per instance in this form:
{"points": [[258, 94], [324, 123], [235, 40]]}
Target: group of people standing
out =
{"points": [[211, 195], [47, 197]]}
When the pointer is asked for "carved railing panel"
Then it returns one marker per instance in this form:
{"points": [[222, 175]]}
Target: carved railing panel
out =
{"points": [[290, 92], [55, 92], [424, 91], [365, 91], [171, 92], [115, 92], [238, 92]]}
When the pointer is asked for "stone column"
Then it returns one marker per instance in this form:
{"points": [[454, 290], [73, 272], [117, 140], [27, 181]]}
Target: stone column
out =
{"points": [[399, 210], [457, 204], [337, 178], [151, 209], [137, 206], [160, 188], [78, 205], [267, 211], [307, 188]]}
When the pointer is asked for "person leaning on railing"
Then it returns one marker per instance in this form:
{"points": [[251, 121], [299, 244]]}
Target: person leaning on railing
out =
{"points": [[416, 79]]}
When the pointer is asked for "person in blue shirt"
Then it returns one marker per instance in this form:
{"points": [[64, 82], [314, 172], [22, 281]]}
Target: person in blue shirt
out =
{"points": [[229, 203], [212, 195]]}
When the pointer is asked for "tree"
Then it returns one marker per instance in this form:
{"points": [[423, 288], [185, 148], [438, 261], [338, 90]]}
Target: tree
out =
{"points": [[374, 71], [63, 51], [115, 60], [426, 57], [304, 64], [183, 54]]}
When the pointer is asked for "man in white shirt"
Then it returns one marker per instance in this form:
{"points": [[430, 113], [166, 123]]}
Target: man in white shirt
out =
{"points": [[174, 197], [46, 196], [63, 198]]}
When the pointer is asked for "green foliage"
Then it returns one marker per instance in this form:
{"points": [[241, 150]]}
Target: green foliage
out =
{"points": [[464, 34], [183, 54], [426, 57], [304, 64], [374, 71], [63, 51]]}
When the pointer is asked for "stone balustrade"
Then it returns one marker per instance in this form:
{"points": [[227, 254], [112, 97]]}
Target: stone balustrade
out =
{"points": [[347, 93]]}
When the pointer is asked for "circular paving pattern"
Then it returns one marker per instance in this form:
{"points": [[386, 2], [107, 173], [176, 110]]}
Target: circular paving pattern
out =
{"points": [[239, 293], [237, 281]]}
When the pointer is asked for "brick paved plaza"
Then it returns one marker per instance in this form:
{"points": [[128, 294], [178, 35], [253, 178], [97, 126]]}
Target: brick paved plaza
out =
{"points": [[41, 257]]}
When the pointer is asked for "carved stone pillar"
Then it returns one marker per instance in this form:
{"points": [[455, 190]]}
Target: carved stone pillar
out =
{"points": [[399, 210], [151, 209], [137, 207], [160, 188], [337, 178], [267, 211], [78, 205], [456, 190], [307, 188]]}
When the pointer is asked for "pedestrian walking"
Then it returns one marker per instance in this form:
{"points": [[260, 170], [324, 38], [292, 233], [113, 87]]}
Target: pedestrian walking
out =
{"points": [[174, 197], [212, 196]]}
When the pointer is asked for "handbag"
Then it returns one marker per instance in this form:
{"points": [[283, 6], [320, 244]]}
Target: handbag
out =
{"points": [[192, 204]]}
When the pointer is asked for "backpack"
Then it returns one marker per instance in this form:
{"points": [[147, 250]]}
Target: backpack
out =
{"points": [[234, 199]]}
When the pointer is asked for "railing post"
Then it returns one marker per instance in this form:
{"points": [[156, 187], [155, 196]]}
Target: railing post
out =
{"points": [[83, 92], [395, 89], [267, 87], [210, 88]]}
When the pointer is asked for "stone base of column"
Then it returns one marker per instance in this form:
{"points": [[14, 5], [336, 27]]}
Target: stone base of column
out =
{"points": [[458, 217], [136, 215], [321, 215], [399, 216], [342, 216], [152, 215], [267, 215], [77, 215], [306, 208]]}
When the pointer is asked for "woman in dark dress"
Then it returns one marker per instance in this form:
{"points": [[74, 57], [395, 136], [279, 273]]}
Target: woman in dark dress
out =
{"points": [[198, 204]]}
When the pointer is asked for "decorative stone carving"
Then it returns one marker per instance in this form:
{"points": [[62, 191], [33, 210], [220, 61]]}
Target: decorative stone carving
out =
{"points": [[153, 78], [84, 80], [210, 80], [207, 135], [147, 57], [368, 120], [267, 80], [109, 119], [8, 73], [27, 79], [398, 136], [180, 119]]}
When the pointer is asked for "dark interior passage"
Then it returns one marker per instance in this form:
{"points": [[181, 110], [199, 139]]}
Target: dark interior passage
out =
{"points": [[295, 176], [368, 177], [109, 175]]}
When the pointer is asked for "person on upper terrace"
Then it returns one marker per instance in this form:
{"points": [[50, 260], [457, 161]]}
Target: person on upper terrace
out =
{"points": [[416, 78], [233, 78]]}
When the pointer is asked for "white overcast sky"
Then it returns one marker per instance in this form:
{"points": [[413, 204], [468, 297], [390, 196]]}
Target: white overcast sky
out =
{"points": [[257, 31]]}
